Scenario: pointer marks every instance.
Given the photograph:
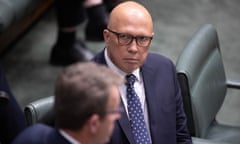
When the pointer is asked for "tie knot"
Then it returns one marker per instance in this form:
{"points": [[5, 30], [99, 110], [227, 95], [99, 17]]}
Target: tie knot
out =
{"points": [[131, 79]]}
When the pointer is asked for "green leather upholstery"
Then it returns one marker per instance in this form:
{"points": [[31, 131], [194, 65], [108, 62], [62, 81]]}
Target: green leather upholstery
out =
{"points": [[204, 141], [203, 82], [40, 111]]}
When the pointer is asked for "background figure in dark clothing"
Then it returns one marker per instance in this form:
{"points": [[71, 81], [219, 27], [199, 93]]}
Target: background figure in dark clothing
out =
{"points": [[12, 120], [71, 13]]}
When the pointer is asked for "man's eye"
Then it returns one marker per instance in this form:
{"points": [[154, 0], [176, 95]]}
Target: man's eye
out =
{"points": [[143, 38], [124, 36]]}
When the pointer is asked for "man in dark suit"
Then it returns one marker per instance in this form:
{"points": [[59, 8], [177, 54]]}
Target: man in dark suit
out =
{"points": [[12, 120], [86, 107], [128, 38]]}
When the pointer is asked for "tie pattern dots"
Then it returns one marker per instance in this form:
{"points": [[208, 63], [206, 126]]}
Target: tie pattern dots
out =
{"points": [[135, 112]]}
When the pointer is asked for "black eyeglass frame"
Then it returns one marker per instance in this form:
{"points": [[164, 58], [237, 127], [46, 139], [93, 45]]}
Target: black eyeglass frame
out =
{"points": [[137, 38], [119, 110]]}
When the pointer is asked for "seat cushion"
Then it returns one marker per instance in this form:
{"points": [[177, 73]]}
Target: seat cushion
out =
{"points": [[205, 141], [224, 133]]}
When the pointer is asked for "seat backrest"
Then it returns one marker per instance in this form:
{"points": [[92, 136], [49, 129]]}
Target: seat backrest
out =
{"points": [[202, 79], [40, 111]]}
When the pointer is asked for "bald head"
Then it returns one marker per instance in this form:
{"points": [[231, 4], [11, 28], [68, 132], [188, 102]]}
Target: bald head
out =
{"points": [[130, 13], [128, 21]]}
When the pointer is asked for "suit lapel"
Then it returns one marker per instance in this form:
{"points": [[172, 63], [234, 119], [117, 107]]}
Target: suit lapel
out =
{"points": [[148, 77], [125, 125]]}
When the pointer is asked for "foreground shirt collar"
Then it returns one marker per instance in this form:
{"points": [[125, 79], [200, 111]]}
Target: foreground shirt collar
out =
{"points": [[68, 137]]}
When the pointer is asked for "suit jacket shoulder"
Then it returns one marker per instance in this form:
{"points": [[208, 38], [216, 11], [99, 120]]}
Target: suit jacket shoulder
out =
{"points": [[40, 134]]}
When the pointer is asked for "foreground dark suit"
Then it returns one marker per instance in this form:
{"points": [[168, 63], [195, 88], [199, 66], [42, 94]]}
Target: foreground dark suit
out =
{"points": [[12, 120], [166, 115], [40, 134]]}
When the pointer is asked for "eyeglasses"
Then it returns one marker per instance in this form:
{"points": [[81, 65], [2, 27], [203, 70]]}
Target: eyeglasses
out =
{"points": [[126, 39], [119, 110]]}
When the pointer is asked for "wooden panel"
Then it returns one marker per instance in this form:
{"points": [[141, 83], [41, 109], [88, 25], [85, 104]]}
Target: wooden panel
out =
{"points": [[14, 31]]}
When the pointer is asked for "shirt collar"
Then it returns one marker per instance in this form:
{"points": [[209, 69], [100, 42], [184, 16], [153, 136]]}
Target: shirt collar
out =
{"points": [[68, 137]]}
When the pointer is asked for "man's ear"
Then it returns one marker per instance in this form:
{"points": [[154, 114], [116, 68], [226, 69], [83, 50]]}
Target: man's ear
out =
{"points": [[94, 123], [106, 35]]}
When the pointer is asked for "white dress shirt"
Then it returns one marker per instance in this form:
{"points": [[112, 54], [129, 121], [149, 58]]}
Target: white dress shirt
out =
{"points": [[138, 86]]}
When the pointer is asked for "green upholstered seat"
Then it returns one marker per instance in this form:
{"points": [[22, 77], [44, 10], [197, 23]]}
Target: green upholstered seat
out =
{"points": [[204, 85], [40, 111]]}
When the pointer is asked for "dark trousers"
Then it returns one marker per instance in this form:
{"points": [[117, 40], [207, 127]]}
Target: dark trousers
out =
{"points": [[69, 13]]}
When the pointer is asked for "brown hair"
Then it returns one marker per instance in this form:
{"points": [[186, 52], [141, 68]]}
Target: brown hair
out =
{"points": [[81, 90]]}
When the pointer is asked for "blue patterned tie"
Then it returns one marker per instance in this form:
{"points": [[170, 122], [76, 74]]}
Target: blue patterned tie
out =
{"points": [[135, 112]]}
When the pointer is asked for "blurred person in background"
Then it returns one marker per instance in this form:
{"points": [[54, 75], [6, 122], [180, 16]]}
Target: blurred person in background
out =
{"points": [[12, 120], [68, 48]]}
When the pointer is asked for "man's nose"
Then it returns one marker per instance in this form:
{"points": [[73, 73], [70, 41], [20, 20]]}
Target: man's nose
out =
{"points": [[133, 45]]}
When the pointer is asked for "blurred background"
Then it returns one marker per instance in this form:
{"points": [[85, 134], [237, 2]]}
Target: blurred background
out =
{"points": [[31, 76]]}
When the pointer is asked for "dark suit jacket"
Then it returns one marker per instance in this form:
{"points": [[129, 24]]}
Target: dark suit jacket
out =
{"points": [[167, 119], [40, 134], [12, 120]]}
